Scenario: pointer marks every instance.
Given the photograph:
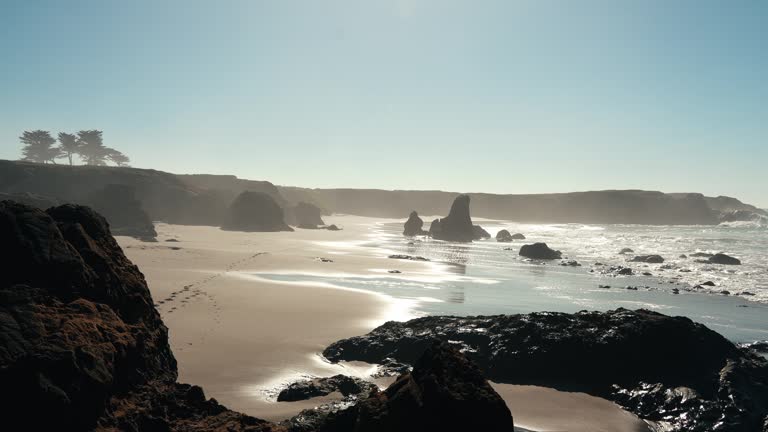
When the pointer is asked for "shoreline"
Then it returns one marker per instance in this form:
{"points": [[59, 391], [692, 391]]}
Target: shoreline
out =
{"points": [[240, 336]]}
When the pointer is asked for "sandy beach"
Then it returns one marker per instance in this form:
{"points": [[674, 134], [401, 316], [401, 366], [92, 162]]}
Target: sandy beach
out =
{"points": [[241, 337]]}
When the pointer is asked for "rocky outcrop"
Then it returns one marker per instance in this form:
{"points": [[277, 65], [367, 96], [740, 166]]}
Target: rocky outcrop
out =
{"points": [[504, 236], [650, 259], [81, 345], [457, 226], [518, 236], [721, 258], [445, 392], [305, 215], [413, 226], [255, 211], [30, 199], [539, 251], [118, 204], [615, 354], [308, 389], [480, 233]]}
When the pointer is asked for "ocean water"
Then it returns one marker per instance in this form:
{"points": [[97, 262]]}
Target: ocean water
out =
{"points": [[482, 278]]}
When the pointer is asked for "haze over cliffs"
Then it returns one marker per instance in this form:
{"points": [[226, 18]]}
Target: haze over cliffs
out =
{"points": [[205, 199]]}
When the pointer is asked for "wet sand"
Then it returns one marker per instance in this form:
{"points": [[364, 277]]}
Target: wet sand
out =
{"points": [[240, 337]]}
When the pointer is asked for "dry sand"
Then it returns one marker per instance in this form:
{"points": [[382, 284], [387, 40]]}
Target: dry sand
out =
{"points": [[240, 336]]}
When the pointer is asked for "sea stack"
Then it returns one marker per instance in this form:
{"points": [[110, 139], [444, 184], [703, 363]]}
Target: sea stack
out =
{"points": [[457, 226], [306, 216], [118, 204], [255, 211], [413, 226]]}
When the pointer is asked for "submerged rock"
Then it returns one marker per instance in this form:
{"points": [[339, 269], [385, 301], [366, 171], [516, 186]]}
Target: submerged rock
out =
{"points": [[255, 211], [626, 251], [518, 236], [457, 226], [539, 251], [613, 354], [651, 259], [408, 257], [413, 226], [308, 389], [445, 392], [332, 227], [723, 259]]}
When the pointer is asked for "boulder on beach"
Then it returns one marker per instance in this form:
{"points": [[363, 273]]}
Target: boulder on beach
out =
{"points": [[305, 215], [118, 204], [539, 251], [445, 392], [650, 259], [255, 211], [414, 225], [457, 226], [721, 258]]}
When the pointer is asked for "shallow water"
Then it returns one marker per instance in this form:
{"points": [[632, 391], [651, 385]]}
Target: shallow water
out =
{"points": [[482, 278]]}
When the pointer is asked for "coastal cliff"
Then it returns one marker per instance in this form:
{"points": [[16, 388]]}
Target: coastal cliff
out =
{"points": [[205, 199]]}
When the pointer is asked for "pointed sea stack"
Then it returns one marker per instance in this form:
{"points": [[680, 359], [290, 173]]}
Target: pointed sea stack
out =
{"points": [[413, 226], [457, 226], [255, 211]]}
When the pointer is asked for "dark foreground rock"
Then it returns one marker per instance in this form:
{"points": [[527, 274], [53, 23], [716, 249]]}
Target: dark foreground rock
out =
{"points": [[445, 392], [700, 381], [255, 211], [308, 389], [723, 259], [540, 251], [650, 259], [414, 226], [81, 345], [118, 204], [457, 226], [305, 215]]}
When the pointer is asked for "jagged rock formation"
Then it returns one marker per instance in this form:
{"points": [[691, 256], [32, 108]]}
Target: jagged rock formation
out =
{"points": [[457, 226], [650, 259], [413, 226], [305, 215], [668, 370], [118, 204], [444, 392], [539, 251], [255, 211], [81, 345], [503, 236]]}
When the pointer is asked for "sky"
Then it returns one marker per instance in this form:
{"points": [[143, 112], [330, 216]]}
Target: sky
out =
{"points": [[507, 96]]}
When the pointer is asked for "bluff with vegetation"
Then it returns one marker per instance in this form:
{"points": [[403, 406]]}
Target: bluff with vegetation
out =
{"points": [[205, 199]]}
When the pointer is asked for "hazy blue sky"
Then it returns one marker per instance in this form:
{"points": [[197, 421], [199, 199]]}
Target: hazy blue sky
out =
{"points": [[496, 96]]}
